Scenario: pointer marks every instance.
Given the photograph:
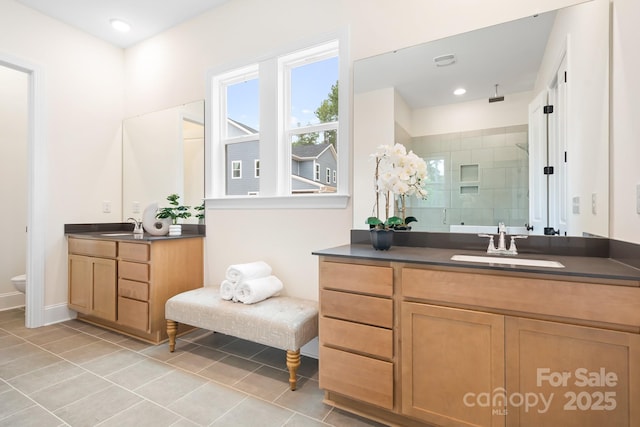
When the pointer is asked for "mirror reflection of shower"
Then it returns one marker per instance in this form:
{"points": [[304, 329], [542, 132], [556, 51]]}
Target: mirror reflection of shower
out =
{"points": [[13, 184], [476, 179]]}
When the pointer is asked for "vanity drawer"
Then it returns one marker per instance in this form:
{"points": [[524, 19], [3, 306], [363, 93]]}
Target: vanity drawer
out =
{"points": [[367, 279], [97, 248], [356, 337], [135, 290], [134, 251], [133, 271], [134, 314], [358, 308], [358, 377]]}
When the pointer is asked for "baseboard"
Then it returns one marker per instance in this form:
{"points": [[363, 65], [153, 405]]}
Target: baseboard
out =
{"points": [[58, 313], [11, 300], [310, 349]]}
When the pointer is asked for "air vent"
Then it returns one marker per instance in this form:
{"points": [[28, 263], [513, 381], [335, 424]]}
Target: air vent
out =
{"points": [[445, 60]]}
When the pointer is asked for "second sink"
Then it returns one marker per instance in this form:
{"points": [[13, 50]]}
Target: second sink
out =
{"points": [[509, 261]]}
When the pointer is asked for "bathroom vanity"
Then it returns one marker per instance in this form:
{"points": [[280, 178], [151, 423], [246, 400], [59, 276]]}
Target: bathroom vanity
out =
{"points": [[410, 337], [121, 282]]}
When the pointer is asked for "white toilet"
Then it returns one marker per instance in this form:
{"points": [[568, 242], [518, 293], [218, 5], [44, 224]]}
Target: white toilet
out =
{"points": [[20, 282]]}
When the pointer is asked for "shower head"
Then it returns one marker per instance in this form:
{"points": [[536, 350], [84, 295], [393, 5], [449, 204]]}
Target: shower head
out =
{"points": [[496, 98]]}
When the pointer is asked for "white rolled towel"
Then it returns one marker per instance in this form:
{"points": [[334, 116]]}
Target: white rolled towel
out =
{"points": [[237, 273], [228, 290], [256, 290]]}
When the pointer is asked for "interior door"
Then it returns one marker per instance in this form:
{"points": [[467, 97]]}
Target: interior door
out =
{"points": [[537, 161], [558, 197]]}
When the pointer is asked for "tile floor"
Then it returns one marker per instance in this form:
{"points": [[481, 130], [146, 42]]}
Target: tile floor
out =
{"points": [[76, 374]]}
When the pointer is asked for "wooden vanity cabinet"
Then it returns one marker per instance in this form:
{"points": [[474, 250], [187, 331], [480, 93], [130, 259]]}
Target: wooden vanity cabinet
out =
{"points": [[447, 353], [93, 278], [356, 332], [127, 289], [560, 362], [477, 348], [591, 374]]}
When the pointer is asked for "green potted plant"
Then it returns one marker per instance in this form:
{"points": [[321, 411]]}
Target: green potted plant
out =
{"points": [[175, 211], [200, 212], [398, 174]]}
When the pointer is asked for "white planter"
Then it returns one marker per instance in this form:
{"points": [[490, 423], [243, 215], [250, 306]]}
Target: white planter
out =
{"points": [[175, 229]]}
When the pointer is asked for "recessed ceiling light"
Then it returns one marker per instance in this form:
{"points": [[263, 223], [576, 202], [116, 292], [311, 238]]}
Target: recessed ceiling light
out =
{"points": [[120, 25], [460, 91]]}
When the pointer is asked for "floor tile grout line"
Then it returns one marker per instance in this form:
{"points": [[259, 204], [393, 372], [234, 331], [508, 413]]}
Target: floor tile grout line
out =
{"points": [[184, 370], [48, 385], [85, 370], [35, 403]]}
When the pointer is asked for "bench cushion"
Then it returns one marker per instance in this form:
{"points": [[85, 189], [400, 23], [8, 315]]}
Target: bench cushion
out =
{"points": [[283, 322]]}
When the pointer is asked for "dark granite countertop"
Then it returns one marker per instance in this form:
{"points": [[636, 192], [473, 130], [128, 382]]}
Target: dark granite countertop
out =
{"points": [[146, 237], [592, 269], [124, 232]]}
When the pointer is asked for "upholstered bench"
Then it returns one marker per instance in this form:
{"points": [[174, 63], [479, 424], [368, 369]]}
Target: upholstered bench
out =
{"points": [[282, 322]]}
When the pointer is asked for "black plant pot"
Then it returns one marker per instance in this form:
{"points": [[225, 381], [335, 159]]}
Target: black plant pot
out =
{"points": [[381, 239]]}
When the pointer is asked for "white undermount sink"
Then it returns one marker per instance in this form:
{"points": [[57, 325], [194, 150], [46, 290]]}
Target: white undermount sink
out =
{"points": [[509, 261]]}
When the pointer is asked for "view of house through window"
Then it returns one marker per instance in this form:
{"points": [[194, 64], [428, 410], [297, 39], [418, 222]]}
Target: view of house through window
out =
{"points": [[303, 120]]}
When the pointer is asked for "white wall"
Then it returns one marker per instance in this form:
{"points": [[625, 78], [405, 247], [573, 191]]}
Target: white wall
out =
{"points": [[373, 122], [467, 116], [83, 98], [625, 126], [13, 182]]}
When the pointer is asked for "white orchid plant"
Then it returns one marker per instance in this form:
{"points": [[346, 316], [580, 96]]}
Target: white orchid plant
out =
{"points": [[398, 174]]}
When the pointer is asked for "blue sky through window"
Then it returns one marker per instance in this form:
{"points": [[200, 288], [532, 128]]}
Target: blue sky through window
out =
{"points": [[311, 84]]}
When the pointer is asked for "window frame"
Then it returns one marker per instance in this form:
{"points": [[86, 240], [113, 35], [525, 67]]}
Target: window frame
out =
{"points": [[239, 169], [275, 146]]}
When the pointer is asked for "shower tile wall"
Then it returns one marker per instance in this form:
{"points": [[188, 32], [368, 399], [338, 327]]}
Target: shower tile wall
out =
{"points": [[477, 177]]}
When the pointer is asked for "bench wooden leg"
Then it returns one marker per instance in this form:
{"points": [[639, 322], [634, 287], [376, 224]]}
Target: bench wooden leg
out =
{"points": [[293, 361], [172, 328]]}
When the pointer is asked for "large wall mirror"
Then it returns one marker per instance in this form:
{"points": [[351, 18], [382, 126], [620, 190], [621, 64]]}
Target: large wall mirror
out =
{"points": [[163, 153], [490, 150]]}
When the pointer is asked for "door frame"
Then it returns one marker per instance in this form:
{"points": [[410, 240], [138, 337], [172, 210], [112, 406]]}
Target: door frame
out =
{"points": [[36, 188]]}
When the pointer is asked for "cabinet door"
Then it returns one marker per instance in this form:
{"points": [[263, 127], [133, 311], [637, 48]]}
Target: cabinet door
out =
{"points": [[80, 283], [571, 375], [104, 288], [451, 360]]}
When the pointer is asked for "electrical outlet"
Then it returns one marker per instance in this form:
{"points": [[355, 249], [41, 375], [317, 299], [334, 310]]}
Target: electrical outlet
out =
{"points": [[594, 203], [106, 206], [135, 208]]}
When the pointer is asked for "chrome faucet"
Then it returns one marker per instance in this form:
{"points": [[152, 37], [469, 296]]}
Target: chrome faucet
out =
{"points": [[501, 249], [137, 225]]}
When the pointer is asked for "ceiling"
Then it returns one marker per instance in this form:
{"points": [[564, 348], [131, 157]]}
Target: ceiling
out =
{"points": [[146, 17], [507, 54]]}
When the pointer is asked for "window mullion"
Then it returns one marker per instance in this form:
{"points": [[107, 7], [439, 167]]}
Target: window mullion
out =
{"points": [[284, 136], [269, 151]]}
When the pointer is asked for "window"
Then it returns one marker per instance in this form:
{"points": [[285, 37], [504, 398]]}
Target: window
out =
{"points": [[285, 114], [236, 169]]}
